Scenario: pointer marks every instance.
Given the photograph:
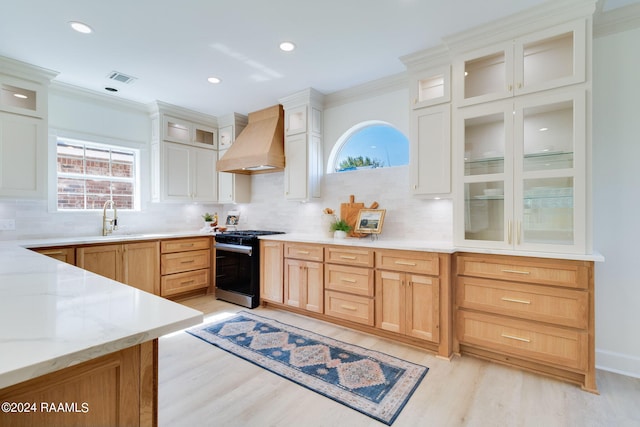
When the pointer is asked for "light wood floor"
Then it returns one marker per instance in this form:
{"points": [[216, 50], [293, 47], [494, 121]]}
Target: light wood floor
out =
{"points": [[201, 385]]}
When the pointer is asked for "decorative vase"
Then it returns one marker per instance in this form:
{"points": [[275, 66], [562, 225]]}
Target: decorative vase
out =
{"points": [[327, 220], [339, 234]]}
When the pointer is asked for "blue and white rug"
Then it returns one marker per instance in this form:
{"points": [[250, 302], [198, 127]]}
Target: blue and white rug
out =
{"points": [[374, 383]]}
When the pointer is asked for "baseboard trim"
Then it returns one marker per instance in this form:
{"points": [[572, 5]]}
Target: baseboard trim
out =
{"points": [[618, 363]]}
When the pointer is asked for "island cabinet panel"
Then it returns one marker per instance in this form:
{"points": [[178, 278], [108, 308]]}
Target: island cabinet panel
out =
{"points": [[534, 313], [185, 266], [119, 389]]}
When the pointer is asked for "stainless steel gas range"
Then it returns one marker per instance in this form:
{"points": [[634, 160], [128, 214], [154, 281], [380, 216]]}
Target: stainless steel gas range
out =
{"points": [[238, 266]]}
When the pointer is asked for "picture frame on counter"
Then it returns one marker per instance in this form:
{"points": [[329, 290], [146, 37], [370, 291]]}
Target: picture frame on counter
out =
{"points": [[370, 221]]}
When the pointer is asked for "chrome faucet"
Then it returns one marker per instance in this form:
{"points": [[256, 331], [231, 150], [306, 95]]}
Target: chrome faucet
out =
{"points": [[109, 224]]}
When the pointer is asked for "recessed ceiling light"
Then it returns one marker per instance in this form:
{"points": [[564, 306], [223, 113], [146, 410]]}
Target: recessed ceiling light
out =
{"points": [[80, 27], [214, 80], [544, 129], [20, 95], [287, 46]]}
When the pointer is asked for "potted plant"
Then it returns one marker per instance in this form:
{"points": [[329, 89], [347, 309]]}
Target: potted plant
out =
{"points": [[340, 229], [210, 220]]}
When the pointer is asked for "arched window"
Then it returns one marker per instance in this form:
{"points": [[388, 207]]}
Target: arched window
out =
{"points": [[368, 145]]}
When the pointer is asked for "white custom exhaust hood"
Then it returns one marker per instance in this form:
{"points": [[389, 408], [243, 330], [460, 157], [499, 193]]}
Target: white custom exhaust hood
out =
{"points": [[260, 146]]}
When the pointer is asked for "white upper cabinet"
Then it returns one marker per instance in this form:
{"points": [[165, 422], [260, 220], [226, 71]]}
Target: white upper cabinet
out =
{"points": [[22, 97], [539, 61], [186, 132], [232, 187], [522, 173], [430, 87], [295, 120]]}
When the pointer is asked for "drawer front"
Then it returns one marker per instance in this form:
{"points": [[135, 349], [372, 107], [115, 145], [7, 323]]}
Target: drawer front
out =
{"points": [[356, 257], [181, 245], [182, 282], [354, 280], [410, 262], [184, 261], [566, 307], [303, 251], [574, 274], [560, 346], [355, 308]]}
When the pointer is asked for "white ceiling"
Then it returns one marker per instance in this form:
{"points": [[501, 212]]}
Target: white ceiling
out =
{"points": [[172, 46]]}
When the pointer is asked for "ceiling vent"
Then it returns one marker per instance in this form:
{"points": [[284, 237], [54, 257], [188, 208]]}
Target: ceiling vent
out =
{"points": [[121, 78]]}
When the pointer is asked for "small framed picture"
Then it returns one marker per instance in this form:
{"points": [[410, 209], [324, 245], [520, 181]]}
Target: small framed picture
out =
{"points": [[370, 221], [232, 218]]}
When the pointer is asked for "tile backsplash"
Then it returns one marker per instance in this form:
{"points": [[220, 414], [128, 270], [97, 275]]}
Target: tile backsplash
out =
{"points": [[407, 217]]}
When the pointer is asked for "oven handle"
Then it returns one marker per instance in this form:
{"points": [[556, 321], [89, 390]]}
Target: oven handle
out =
{"points": [[246, 250]]}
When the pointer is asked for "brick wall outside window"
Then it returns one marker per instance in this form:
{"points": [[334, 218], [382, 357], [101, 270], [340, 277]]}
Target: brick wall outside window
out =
{"points": [[89, 175]]}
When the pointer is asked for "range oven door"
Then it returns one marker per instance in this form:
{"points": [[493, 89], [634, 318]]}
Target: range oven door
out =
{"points": [[237, 274]]}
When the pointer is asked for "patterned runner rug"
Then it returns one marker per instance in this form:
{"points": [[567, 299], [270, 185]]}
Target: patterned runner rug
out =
{"points": [[373, 383]]}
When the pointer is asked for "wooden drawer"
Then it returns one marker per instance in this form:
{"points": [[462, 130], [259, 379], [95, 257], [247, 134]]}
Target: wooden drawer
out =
{"points": [[565, 307], [354, 280], [184, 261], [347, 256], [65, 254], [355, 308], [574, 274], [408, 261], [178, 283], [181, 245], [559, 346], [304, 251]]}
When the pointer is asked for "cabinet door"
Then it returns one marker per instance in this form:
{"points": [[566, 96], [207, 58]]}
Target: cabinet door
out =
{"points": [[430, 159], [314, 292], [205, 136], [205, 186], [271, 271], [430, 87], [23, 156], [176, 130], [233, 187], [141, 266], [390, 300], [295, 172], [294, 282], [484, 164], [295, 120], [105, 260], [422, 312], [177, 173], [22, 97]]}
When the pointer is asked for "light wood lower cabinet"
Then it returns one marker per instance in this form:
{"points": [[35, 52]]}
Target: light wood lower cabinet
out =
{"points": [[185, 266], [534, 313], [272, 271], [119, 389], [64, 254], [407, 304], [135, 264], [303, 287]]}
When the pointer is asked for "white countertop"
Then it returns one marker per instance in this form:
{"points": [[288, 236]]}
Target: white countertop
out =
{"points": [[54, 315], [422, 245]]}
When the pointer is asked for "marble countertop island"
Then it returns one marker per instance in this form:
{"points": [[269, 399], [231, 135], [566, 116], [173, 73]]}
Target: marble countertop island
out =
{"points": [[54, 315]]}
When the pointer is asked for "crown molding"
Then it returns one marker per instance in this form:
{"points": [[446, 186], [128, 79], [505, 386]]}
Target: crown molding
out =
{"points": [[367, 90], [308, 96], [66, 89], [617, 20], [551, 13], [427, 58], [25, 71], [158, 107]]}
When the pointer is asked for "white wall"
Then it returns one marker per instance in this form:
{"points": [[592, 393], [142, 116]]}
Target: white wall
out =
{"points": [[616, 199]]}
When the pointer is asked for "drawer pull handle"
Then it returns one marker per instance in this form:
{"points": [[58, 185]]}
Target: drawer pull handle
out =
{"points": [[520, 301], [186, 282], [188, 261], [186, 245], [347, 257], [348, 280], [304, 252], [52, 252], [515, 271], [348, 307], [512, 337], [412, 264]]}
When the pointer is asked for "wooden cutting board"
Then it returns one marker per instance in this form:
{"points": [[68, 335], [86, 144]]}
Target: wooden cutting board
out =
{"points": [[349, 212]]}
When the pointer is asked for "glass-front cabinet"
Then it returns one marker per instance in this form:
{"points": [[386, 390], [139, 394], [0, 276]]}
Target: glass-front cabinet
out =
{"points": [[540, 61], [523, 175]]}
